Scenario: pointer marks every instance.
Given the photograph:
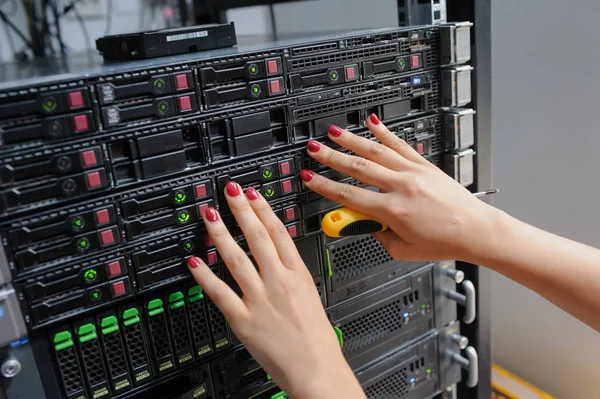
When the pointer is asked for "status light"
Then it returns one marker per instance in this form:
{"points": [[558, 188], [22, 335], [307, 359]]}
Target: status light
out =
{"points": [[180, 197], [416, 80]]}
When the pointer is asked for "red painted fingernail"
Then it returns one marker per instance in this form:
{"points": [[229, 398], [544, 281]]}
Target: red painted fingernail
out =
{"points": [[252, 194], [374, 119], [335, 131], [211, 215], [306, 175], [194, 262], [232, 189], [313, 146]]}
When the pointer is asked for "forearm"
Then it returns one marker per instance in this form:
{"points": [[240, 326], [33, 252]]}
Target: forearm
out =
{"points": [[563, 271]]}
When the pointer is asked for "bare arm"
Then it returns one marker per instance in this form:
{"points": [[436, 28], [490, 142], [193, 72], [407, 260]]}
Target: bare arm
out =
{"points": [[565, 272], [432, 217]]}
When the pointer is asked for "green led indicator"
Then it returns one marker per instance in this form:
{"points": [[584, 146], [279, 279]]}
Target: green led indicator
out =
{"points": [[428, 34], [78, 223], [55, 127], [267, 174], [188, 245], [163, 107], [423, 306], [401, 63], [334, 75], [159, 84], [183, 217], [90, 274], [269, 192], [49, 105], [83, 243], [96, 295], [255, 89], [428, 371], [253, 69], [180, 197]]}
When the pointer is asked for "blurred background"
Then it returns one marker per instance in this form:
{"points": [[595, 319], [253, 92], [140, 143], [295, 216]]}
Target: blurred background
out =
{"points": [[545, 136]]}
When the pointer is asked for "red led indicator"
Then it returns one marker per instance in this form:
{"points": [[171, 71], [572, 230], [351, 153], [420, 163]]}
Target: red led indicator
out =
{"points": [[200, 191], [181, 81], [81, 123], [420, 148], [89, 158], [118, 288], [107, 237], [94, 179], [292, 231], [274, 87], [211, 258], [76, 99], [102, 217], [290, 214], [350, 73], [272, 67], [185, 103], [114, 268], [202, 208], [286, 186], [415, 61], [284, 168]]}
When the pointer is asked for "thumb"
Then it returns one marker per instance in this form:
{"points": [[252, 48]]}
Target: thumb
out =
{"points": [[394, 245]]}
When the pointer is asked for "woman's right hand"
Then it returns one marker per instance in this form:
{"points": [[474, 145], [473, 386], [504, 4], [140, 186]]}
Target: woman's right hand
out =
{"points": [[430, 215]]}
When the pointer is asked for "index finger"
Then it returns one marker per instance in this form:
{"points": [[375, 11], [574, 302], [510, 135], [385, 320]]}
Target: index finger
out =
{"points": [[359, 199]]}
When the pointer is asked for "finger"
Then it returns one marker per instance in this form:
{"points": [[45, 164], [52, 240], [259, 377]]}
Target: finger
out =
{"points": [[360, 168], [360, 199], [392, 141], [393, 244], [369, 149], [230, 304], [235, 258], [258, 238], [279, 234]]}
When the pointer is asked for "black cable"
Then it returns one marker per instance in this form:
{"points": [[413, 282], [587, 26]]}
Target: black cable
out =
{"points": [[16, 30], [61, 43], [10, 40], [109, 12], [86, 34]]}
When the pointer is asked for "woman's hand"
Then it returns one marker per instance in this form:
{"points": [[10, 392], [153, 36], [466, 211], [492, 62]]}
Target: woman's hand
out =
{"points": [[280, 318], [430, 216]]}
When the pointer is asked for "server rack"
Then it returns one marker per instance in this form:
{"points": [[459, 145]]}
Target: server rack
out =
{"points": [[148, 313]]}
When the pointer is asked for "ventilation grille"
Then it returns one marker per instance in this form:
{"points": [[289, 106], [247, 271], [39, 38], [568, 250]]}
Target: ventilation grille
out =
{"points": [[217, 320], [437, 145], [92, 359], [160, 336], [357, 257], [199, 322], [181, 332], [346, 104], [135, 346], [320, 48], [113, 347], [393, 386], [372, 327], [69, 370], [311, 62]]}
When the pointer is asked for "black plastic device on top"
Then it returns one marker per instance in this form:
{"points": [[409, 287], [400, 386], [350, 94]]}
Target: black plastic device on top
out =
{"points": [[165, 42]]}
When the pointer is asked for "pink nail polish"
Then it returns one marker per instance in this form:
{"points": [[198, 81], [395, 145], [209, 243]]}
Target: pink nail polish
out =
{"points": [[211, 215], [194, 262], [335, 131], [374, 119], [313, 146], [306, 175], [252, 194], [232, 189]]}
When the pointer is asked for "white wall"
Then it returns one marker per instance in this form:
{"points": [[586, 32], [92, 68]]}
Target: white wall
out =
{"points": [[546, 161]]}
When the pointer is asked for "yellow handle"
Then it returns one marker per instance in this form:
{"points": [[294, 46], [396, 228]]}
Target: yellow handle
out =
{"points": [[344, 222]]}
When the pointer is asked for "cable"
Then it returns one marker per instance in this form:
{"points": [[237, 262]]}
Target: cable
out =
{"points": [[16, 30], [86, 34], [273, 23], [61, 43], [109, 12]]}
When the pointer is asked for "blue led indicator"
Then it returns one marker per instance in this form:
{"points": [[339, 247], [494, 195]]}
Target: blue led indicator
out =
{"points": [[405, 314], [412, 380], [416, 80], [22, 341], [1, 311]]}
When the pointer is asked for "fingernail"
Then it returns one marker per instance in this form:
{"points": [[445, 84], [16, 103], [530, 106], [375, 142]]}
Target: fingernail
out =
{"points": [[194, 262], [374, 119], [306, 175], [313, 146], [211, 215], [252, 194], [232, 189], [335, 131]]}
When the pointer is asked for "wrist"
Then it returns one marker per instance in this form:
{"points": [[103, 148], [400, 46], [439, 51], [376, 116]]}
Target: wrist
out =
{"points": [[333, 380], [487, 229]]}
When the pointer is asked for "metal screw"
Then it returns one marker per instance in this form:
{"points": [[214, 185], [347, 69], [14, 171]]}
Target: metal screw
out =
{"points": [[10, 368]]}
